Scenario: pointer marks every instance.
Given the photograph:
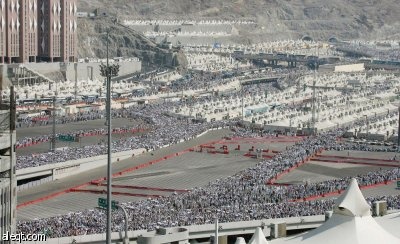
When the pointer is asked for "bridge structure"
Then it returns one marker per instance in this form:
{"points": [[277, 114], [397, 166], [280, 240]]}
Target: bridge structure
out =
{"points": [[273, 59], [21, 75], [259, 80]]}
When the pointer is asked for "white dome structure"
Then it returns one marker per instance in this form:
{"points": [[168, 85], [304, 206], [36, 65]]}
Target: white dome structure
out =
{"points": [[258, 237], [351, 223], [240, 240]]}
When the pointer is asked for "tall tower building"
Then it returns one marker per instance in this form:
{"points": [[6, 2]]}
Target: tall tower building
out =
{"points": [[38, 30], [69, 33], [57, 30], [50, 30], [29, 32], [12, 31], [3, 32]]}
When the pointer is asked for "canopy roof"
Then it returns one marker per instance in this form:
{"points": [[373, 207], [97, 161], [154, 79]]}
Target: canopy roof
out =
{"points": [[258, 237], [240, 240], [352, 202], [351, 223]]}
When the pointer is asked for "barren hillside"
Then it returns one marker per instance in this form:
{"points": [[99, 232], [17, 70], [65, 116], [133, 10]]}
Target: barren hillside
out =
{"points": [[276, 19]]}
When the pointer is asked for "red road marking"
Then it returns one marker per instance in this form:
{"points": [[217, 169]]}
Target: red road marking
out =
{"points": [[281, 174], [116, 193], [369, 159], [144, 165], [142, 188], [334, 193], [353, 162], [56, 194], [104, 178]]}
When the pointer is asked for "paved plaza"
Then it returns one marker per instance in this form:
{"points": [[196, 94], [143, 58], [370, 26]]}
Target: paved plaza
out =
{"points": [[361, 162], [170, 176], [195, 168]]}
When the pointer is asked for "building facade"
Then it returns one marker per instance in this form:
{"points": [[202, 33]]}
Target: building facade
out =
{"points": [[29, 31], [8, 182], [12, 30], [69, 12], [3, 33], [38, 30]]}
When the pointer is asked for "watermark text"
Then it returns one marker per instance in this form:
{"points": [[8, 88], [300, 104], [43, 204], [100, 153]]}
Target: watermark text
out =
{"points": [[21, 237]]}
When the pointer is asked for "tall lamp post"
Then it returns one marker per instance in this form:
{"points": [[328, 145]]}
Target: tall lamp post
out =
{"points": [[398, 131], [108, 71], [53, 138]]}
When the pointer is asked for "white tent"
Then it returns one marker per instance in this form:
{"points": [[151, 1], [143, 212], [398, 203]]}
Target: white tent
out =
{"points": [[240, 240], [351, 223], [258, 237], [391, 223]]}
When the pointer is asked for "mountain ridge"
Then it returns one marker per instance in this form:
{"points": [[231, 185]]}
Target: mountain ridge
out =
{"points": [[275, 20]]}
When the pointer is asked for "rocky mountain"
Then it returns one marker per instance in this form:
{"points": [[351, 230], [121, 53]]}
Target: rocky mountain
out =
{"points": [[275, 19], [123, 42]]}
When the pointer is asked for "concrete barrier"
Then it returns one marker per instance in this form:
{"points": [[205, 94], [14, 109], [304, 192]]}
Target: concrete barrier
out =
{"points": [[34, 183], [61, 170], [65, 169], [200, 231]]}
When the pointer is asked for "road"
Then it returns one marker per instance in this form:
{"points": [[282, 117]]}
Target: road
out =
{"points": [[70, 127], [66, 183]]}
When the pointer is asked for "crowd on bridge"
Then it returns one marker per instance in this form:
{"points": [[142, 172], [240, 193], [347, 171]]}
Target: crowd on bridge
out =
{"points": [[70, 118], [34, 140], [165, 130]]}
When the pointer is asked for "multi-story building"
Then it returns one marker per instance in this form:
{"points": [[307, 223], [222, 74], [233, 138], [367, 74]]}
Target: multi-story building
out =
{"points": [[69, 35], [3, 32], [57, 34], [50, 30], [8, 182], [38, 30], [12, 30], [29, 31]]}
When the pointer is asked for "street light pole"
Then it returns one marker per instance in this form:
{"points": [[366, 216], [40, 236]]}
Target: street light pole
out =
{"points": [[53, 138], [216, 231], [242, 91], [398, 131], [126, 238], [109, 168], [108, 71]]}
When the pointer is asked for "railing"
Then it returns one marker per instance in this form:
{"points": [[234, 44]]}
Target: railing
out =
{"points": [[4, 120]]}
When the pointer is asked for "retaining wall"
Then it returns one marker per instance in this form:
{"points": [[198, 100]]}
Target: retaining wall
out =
{"points": [[65, 169]]}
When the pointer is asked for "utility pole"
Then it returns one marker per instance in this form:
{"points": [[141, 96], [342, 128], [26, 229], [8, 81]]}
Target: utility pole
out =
{"points": [[216, 231], [242, 103], [126, 238], [13, 181], [313, 95], [108, 71], [108, 147], [53, 138], [398, 131], [313, 106], [76, 81]]}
